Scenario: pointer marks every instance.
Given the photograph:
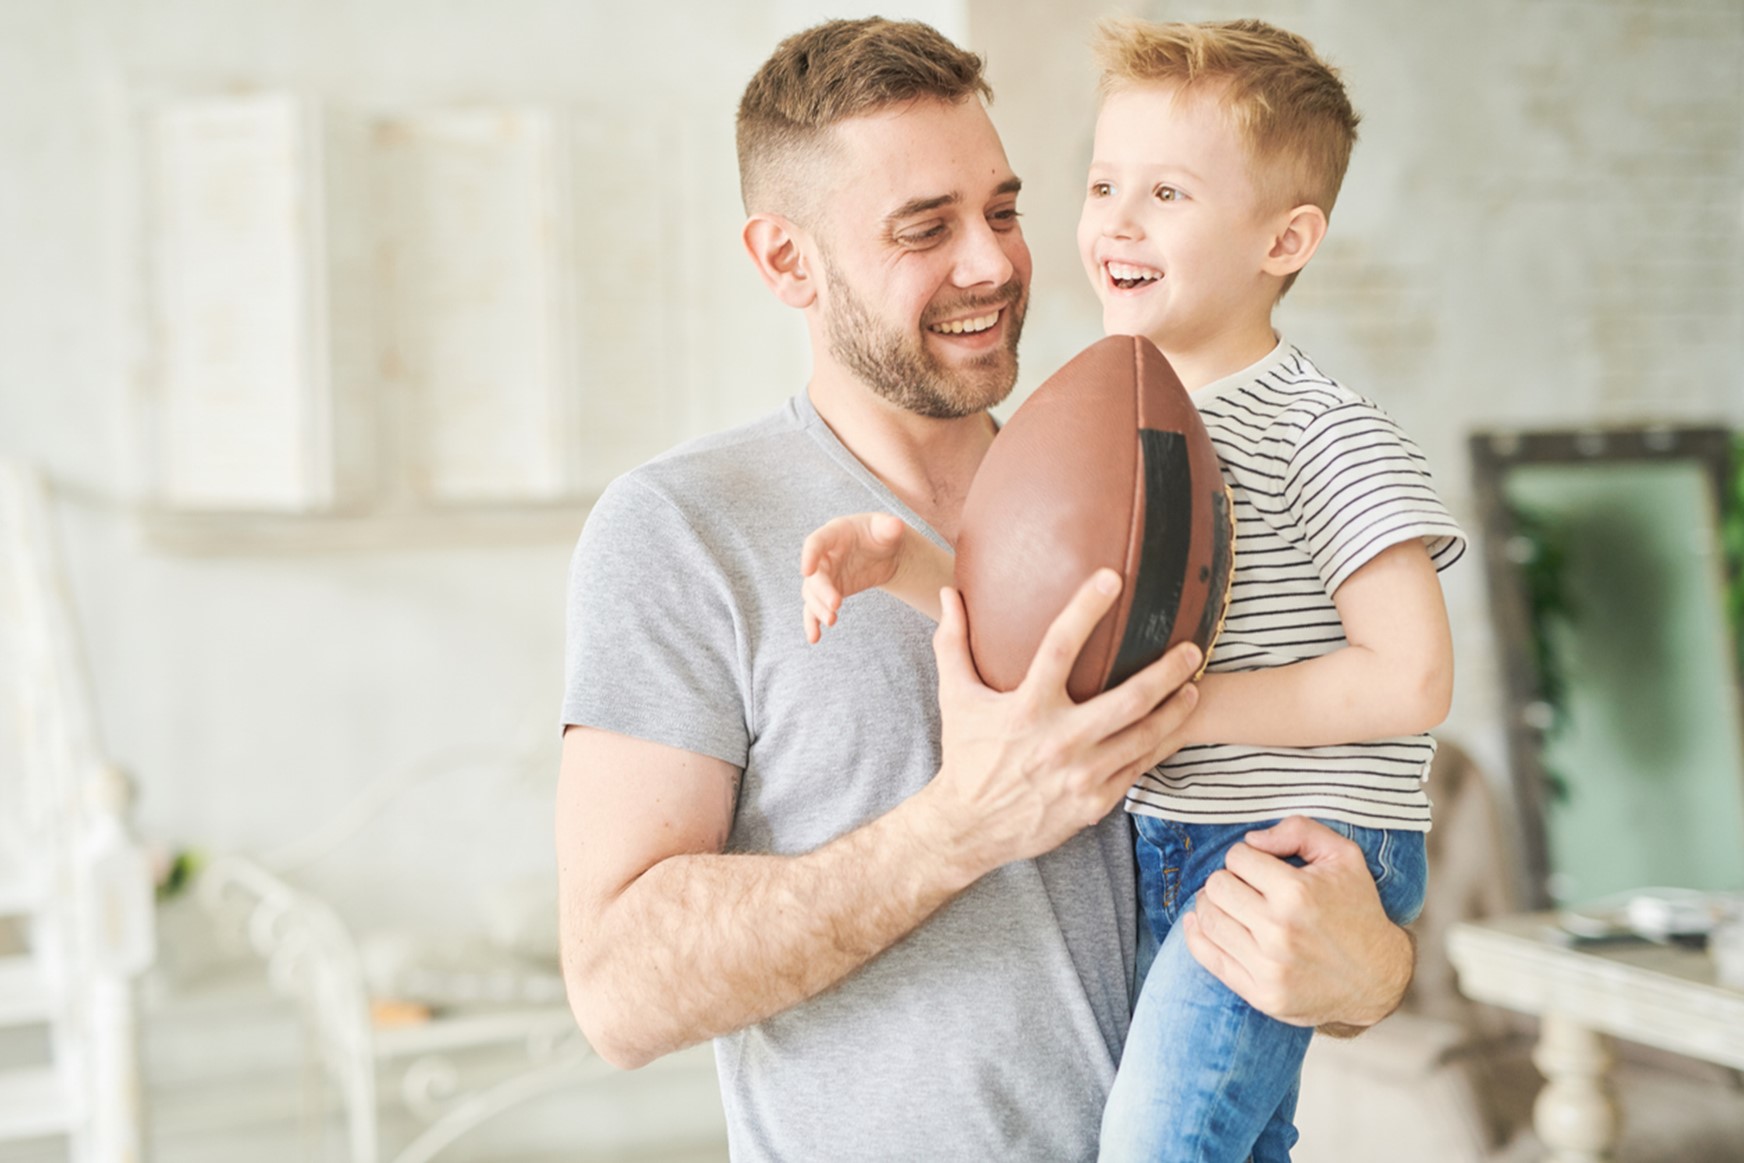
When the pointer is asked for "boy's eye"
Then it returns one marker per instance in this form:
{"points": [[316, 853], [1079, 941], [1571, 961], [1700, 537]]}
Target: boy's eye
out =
{"points": [[1101, 189], [1004, 219], [1169, 194]]}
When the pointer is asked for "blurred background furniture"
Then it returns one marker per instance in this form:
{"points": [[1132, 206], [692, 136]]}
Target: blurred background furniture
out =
{"points": [[75, 889], [462, 1027], [1663, 995], [1449, 1079]]}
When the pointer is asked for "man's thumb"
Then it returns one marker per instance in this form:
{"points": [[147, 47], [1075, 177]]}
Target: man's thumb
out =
{"points": [[1299, 836], [951, 643]]}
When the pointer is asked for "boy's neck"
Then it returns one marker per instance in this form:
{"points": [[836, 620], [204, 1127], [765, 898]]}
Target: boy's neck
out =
{"points": [[1219, 355]]}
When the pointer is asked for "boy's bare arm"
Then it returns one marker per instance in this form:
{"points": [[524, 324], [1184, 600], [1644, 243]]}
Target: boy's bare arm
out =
{"points": [[1394, 678], [668, 941]]}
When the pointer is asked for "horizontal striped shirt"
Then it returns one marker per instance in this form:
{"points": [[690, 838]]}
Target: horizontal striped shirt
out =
{"points": [[1322, 481]]}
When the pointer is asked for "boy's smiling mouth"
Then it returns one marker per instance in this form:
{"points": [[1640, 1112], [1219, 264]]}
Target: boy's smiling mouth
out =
{"points": [[1126, 275]]}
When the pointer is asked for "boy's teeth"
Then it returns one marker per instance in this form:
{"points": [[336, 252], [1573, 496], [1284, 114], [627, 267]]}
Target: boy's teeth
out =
{"points": [[1128, 275], [966, 326]]}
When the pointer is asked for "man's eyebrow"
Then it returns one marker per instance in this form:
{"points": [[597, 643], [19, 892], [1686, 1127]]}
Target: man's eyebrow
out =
{"points": [[922, 205]]}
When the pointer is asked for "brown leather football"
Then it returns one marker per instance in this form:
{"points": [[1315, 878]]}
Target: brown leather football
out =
{"points": [[1106, 464]]}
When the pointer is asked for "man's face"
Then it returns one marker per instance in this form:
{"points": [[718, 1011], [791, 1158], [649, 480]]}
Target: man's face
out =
{"points": [[925, 271]]}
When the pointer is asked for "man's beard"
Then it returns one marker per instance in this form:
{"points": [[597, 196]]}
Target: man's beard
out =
{"points": [[897, 366]]}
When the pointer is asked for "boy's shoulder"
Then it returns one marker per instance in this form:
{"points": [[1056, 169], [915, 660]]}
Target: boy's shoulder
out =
{"points": [[1285, 393]]}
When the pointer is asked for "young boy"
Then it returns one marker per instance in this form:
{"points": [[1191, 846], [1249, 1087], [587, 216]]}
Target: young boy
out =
{"points": [[1219, 152]]}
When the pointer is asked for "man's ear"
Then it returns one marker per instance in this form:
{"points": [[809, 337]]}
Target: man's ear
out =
{"points": [[1297, 238], [773, 242]]}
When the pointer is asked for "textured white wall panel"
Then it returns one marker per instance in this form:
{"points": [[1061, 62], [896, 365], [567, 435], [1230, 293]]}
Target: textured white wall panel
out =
{"points": [[240, 416]]}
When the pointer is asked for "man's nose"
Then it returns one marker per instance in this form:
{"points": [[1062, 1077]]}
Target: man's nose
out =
{"points": [[984, 258]]}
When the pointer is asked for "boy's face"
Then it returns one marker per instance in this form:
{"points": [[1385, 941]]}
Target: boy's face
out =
{"points": [[1173, 232]]}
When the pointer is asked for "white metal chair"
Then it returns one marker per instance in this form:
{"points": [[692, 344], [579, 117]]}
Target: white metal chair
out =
{"points": [[320, 961], [75, 889]]}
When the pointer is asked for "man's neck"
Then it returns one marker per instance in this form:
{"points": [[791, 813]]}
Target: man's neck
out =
{"points": [[927, 463]]}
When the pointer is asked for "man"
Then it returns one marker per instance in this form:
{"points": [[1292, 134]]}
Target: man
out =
{"points": [[907, 920]]}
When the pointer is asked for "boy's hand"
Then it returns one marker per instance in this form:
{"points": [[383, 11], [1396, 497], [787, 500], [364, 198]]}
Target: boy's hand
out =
{"points": [[843, 557]]}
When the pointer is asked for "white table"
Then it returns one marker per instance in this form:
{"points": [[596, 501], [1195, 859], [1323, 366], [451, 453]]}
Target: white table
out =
{"points": [[1663, 996]]}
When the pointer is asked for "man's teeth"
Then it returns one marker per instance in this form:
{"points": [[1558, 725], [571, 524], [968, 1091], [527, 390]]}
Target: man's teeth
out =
{"points": [[1126, 275], [966, 326]]}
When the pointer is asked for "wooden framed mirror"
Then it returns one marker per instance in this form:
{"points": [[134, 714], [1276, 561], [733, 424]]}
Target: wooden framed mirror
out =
{"points": [[1610, 586]]}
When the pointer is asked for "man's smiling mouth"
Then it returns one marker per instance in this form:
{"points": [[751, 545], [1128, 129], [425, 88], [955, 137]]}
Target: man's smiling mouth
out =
{"points": [[1126, 275], [965, 326]]}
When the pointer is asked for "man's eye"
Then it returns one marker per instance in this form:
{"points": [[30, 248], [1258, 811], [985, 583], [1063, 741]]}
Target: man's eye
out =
{"points": [[921, 237], [1004, 219]]}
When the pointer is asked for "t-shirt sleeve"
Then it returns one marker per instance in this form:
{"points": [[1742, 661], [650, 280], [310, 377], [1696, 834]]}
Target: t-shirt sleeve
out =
{"points": [[1356, 485], [652, 649]]}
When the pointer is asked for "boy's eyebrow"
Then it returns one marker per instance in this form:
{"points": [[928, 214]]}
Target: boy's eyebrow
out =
{"points": [[922, 205], [1166, 168]]}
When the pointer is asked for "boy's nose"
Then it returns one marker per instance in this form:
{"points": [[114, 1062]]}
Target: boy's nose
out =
{"points": [[1118, 220]]}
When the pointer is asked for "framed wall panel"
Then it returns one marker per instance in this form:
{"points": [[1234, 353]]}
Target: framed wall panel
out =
{"points": [[241, 415], [478, 334]]}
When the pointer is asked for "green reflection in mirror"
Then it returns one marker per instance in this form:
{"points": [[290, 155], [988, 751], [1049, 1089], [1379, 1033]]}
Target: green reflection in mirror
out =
{"points": [[1630, 606]]}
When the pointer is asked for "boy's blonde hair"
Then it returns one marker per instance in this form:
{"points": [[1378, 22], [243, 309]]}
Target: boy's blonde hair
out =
{"points": [[827, 74], [1288, 105]]}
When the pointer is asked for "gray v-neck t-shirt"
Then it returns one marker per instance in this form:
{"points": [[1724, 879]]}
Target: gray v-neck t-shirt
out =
{"points": [[994, 1029]]}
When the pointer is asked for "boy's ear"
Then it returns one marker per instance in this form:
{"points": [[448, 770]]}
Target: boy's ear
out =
{"points": [[773, 242], [1297, 239]]}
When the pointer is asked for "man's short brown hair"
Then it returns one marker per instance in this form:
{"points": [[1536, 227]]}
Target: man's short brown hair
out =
{"points": [[1289, 106], [830, 73]]}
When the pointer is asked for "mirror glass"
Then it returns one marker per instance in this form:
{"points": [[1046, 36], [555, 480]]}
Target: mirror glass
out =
{"points": [[1610, 588]]}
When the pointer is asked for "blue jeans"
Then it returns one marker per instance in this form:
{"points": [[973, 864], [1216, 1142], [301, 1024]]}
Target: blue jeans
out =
{"points": [[1205, 1077]]}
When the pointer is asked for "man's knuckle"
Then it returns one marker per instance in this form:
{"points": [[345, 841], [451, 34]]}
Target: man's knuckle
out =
{"points": [[1293, 900], [1050, 754]]}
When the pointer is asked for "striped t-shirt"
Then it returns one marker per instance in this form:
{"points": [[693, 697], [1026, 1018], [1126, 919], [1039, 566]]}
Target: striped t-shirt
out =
{"points": [[1322, 481]]}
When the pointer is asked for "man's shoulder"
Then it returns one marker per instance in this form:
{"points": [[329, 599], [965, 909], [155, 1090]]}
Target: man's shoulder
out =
{"points": [[719, 469]]}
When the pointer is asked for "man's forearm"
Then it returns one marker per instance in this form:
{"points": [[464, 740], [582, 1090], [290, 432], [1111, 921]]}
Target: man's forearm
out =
{"points": [[701, 945], [1393, 975]]}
